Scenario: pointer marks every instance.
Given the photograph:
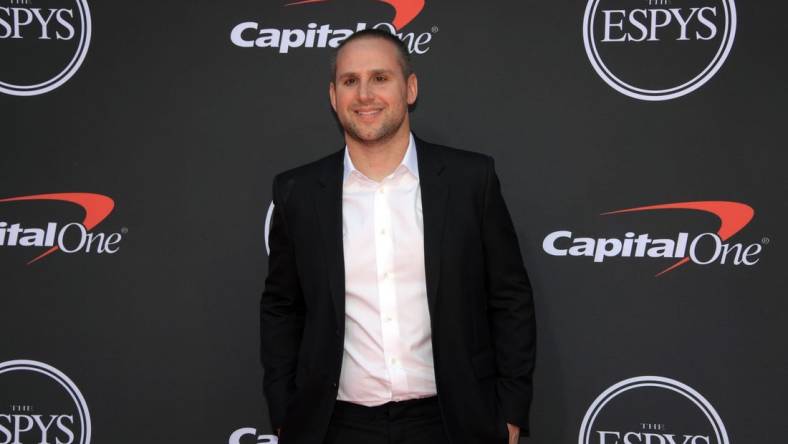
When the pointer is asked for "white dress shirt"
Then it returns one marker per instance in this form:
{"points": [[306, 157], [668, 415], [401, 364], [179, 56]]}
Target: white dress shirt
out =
{"points": [[388, 341]]}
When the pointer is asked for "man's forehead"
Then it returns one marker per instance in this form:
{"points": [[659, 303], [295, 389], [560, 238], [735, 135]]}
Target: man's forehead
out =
{"points": [[367, 53], [370, 71]]}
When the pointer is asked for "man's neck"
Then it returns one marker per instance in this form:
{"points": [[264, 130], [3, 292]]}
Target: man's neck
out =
{"points": [[378, 160]]}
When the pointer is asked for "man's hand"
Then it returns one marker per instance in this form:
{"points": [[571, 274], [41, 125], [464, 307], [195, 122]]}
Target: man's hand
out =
{"points": [[514, 433]]}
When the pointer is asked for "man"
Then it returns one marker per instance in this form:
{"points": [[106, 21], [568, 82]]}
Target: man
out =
{"points": [[396, 308]]}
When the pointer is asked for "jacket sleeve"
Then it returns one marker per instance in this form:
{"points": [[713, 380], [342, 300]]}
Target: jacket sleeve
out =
{"points": [[510, 306], [281, 313]]}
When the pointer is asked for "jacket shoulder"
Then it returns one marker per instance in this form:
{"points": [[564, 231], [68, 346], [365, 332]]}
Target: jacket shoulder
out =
{"points": [[464, 160], [311, 170], [301, 178]]}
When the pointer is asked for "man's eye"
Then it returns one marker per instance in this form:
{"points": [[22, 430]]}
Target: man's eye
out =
{"points": [[380, 78], [350, 82]]}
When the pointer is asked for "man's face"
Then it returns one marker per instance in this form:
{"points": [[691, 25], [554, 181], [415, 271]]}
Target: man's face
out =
{"points": [[370, 93]]}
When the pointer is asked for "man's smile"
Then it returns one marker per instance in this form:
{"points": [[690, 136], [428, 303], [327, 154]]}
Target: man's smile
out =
{"points": [[368, 113]]}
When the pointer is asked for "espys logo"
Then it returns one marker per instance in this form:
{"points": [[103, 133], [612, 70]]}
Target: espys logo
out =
{"points": [[651, 410], [70, 238], [268, 215], [39, 404], [248, 435], [43, 43], [658, 49], [703, 249], [254, 34]]}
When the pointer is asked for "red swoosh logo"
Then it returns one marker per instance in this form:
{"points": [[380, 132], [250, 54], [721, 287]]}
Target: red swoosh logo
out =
{"points": [[404, 10], [733, 217], [97, 207]]}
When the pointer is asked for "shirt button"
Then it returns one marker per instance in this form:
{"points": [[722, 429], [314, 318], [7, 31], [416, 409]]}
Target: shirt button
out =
{"points": [[381, 190], [389, 318], [394, 361], [382, 231]]}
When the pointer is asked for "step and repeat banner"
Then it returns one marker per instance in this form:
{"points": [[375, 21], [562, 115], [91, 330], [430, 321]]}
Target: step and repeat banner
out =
{"points": [[640, 146]]}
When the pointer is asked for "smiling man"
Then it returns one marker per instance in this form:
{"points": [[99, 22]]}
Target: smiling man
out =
{"points": [[397, 309]]}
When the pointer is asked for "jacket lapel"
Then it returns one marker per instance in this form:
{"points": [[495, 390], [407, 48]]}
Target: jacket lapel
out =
{"points": [[434, 197], [328, 204]]}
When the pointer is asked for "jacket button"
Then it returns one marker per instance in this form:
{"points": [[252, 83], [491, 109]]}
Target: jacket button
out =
{"points": [[338, 334], [334, 385]]}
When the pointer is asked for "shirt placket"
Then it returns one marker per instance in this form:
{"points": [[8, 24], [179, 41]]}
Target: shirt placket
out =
{"points": [[384, 245]]}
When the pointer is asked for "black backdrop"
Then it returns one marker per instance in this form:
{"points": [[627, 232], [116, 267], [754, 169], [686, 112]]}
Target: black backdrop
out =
{"points": [[184, 131]]}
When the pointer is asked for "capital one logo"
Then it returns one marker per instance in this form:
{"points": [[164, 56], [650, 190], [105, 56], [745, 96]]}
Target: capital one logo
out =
{"points": [[249, 435], [74, 237], [43, 43], [658, 49], [404, 10], [40, 404], [702, 249], [252, 34], [652, 410]]}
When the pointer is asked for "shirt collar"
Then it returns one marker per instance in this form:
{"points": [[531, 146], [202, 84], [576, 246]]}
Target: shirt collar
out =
{"points": [[410, 161]]}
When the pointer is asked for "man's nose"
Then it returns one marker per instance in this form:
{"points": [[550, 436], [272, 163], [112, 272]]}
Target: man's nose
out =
{"points": [[364, 90]]}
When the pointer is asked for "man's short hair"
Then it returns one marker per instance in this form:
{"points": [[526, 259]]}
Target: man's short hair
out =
{"points": [[402, 49]]}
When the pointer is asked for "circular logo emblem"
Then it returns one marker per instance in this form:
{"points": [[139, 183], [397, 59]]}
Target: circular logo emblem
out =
{"points": [[658, 49], [41, 404], [651, 409], [268, 226], [43, 44]]}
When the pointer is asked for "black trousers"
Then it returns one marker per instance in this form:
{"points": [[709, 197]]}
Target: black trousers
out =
{"points": [[415, 421]]}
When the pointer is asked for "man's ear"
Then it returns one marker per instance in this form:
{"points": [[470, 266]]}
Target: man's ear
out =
{"points": [[413, 88], [332, 95]]}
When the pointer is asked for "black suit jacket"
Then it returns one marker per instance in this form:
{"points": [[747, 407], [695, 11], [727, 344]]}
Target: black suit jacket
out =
{"points": [[479, 298]]}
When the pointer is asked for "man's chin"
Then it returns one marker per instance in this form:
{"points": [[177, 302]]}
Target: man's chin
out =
{"points": [[370, 137]]}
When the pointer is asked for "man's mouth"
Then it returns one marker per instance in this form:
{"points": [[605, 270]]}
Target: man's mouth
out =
{"points": [[368, 112]]}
